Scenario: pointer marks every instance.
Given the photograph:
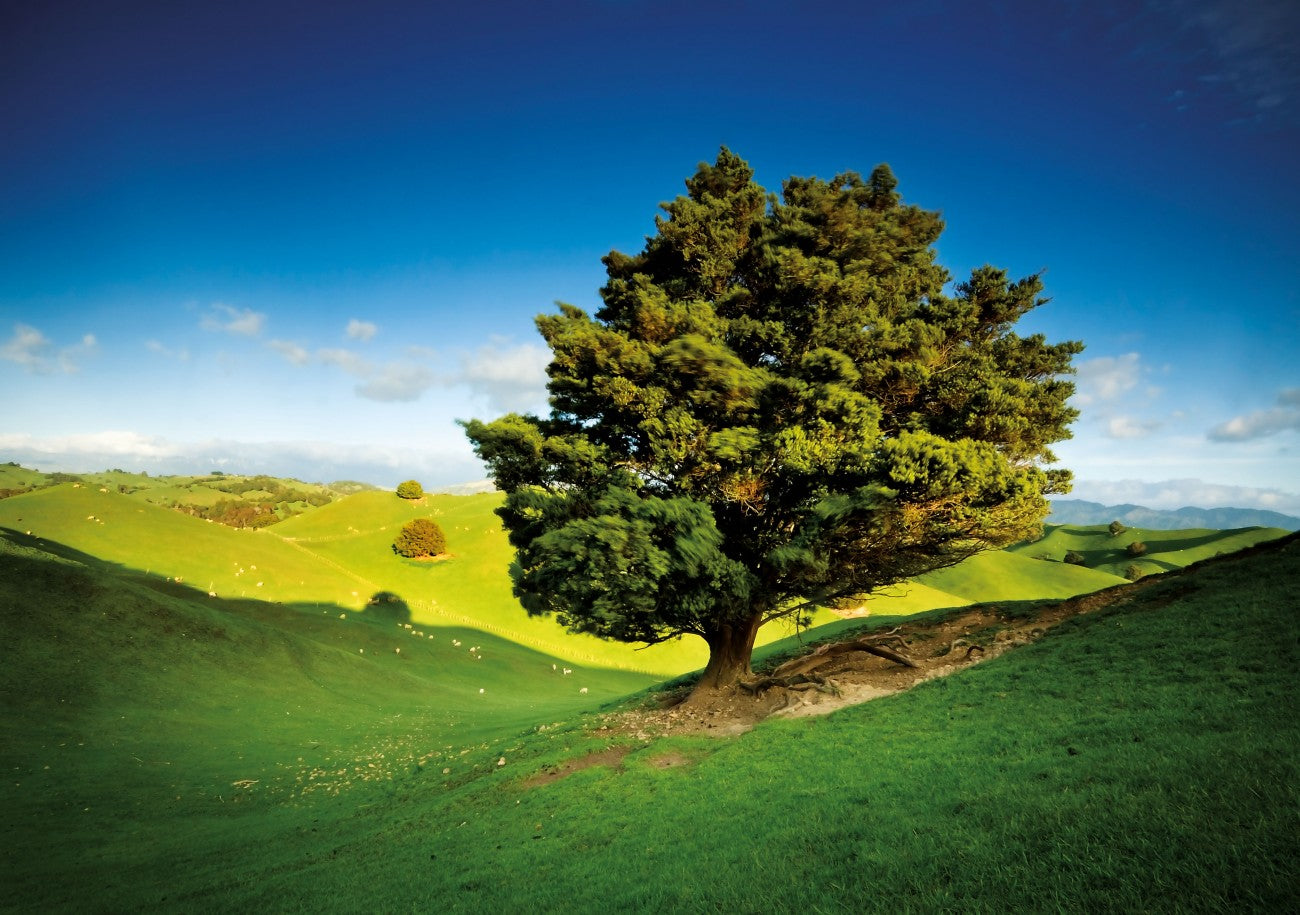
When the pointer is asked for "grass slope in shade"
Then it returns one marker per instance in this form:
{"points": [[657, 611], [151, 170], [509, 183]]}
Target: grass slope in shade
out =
{"points": [[151, 731], [1145, 758]]}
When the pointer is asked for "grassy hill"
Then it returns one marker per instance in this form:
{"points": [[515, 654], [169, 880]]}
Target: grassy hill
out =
{"points": [[143, 717], [173, 752], [1165, 550]]}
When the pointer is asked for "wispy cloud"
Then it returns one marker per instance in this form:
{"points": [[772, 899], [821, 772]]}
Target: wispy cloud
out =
{"points": [[361, 330], [511, 376], [1185, 493], [1107, 378], [381, 464], [291, 351], [1130, 427], [35, 352], [346, 360], [155, 346], [242, 322], [396, 382], [1285, 417]]}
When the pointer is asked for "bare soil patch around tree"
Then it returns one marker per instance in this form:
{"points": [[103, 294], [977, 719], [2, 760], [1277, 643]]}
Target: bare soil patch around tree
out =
{"points": [[868, 665]]}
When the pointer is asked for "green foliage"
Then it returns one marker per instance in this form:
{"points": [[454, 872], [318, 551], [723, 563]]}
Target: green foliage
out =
{"points": [[411, 489], [777, 406], [1133, 571], [1136, 548], [1074, 557], [420, 539], [1116, 528]]}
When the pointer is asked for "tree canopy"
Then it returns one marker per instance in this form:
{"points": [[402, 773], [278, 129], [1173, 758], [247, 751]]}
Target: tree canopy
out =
{"points": [[777, 406], [420, 539], [410, 489]]}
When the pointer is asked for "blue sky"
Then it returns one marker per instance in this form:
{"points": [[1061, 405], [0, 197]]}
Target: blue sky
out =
{"points": [[304, 238]]}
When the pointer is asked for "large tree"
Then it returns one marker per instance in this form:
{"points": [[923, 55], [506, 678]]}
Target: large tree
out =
{"points": [[777, 406]]}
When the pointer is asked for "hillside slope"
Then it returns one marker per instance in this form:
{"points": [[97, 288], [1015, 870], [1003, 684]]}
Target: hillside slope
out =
{"points": [[1165, 550], [142, 715]]}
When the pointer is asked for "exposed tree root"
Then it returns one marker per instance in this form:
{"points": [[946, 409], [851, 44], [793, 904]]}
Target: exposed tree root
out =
{"points": [[798, 674]]}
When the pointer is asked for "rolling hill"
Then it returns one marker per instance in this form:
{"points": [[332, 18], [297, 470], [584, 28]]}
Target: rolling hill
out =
{"points": [[1165, 550], [170, 751]]}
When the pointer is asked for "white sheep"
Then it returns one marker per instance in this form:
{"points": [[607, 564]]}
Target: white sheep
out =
{"points": [[583, 690], [567, 671]]}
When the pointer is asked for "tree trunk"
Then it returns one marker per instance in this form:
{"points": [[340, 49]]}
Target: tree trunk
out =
{"points": [[730, 648]]}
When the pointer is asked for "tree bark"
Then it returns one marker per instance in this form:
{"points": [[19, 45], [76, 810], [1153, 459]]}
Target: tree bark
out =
{"points": [[730, 647]]}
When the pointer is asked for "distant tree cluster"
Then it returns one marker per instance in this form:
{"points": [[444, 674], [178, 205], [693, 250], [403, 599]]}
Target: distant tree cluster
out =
{"points": [[235, 513], [411, 489], [276, 490], [1074, 558], [420, 539], [1116, 528], [1136, 548]]}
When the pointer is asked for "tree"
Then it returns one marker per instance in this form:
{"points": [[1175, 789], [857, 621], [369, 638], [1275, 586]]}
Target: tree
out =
{"points": [[1136, 548], [411, 489], [776, 406], [420, 539], [1075, 558], [1116, 528]]}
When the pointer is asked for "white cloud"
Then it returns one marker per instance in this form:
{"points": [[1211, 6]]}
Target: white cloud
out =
{"points": [[1107, 378], [27, 348], [243, 322], [1262, 423], [361, 330], [291, 351], [345, 359], [109, 443], [398, 381], [512, 378], [1185, 493], [1130, 427], [32, 350], [384, 465], [156, 346]]}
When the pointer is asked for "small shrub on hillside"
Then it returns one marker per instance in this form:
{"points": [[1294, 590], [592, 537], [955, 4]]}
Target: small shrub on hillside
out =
{"points": [[1136, 548], [1133, 572], [1116, 528], [420, 539], [411, 489], [1074, 558]]}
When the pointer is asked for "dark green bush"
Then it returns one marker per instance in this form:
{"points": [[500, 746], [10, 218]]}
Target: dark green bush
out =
{"points": [[411, 489], [420, 539], [1136, 548]]}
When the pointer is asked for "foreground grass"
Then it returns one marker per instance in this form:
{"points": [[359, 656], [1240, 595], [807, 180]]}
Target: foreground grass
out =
{"points": [[1145, 758]]}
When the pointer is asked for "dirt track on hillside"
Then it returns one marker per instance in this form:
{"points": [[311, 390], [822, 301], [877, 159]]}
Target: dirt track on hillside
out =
{"points": [[938, 647]]}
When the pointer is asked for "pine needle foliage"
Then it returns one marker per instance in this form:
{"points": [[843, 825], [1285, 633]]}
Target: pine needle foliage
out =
{"points": [[777, 406]]}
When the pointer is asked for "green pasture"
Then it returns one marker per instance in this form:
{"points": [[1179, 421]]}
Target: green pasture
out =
{"points": [[151, 730], [1008, 575], [169, 752], [1166, 550]]}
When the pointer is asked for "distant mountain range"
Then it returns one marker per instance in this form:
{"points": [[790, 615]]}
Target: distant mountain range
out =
{"points": [[1077, 511]]}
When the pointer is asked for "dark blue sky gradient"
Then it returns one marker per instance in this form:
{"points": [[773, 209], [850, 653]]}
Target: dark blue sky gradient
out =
{"points": [[445, 171]]}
